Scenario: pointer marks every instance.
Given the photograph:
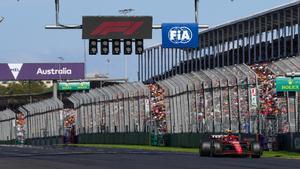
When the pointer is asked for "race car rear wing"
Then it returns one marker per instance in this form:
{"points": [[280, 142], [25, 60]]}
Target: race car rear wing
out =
{"points": [[217, 136]]}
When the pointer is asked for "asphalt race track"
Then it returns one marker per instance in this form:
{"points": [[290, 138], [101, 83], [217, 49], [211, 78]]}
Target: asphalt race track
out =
{"points": [[87, 158]]}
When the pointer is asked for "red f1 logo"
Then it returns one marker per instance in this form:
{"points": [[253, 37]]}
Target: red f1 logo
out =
{"points": [[127, 28]]}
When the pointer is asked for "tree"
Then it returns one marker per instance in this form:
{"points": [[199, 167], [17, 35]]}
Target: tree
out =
{"points": [[23, 87]]}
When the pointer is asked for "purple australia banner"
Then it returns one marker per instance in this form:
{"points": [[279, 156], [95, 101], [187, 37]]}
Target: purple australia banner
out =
{"points": [[41, 71]]}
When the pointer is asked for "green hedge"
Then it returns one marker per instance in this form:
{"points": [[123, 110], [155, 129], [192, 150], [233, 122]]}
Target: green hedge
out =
{"points": [[8, 142], [44, 141], [188, 140], [115, 138]]}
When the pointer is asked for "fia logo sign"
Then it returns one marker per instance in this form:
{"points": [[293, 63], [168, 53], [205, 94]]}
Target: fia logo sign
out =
{"points": [[180, 35]]}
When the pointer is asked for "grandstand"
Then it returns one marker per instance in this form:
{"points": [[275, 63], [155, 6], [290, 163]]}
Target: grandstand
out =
{"points": [[262, 37]]}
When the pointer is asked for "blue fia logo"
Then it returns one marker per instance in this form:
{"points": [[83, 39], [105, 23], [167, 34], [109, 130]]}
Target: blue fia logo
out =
{"points": [[181, 35]]}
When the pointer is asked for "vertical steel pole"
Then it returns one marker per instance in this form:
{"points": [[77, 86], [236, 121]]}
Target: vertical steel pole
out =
{"points": [[238, 43], [154, 60], [228, 46], [223, 46], [162, 62], [126, 67], [255, 39], [266, 39], [197, 11], [200, 54], [57, 12], [168, 64], [159, 53], [184, 61], [292, 33], [214, 49], [191, 53], [260, 39], [284, 33], [148, 67], [54, 89], [298, 20], [172, 62], [195, 56], [233, 44], [165, 63], [218, 49], [204, 52], [151, 62], [142, 66], [209, 48], [176, 62], [296, 111], [197, 21], [278, 35], [272, 36], [145, 66], [243, 42], [180, 61], [139, 67], [249, 42]]}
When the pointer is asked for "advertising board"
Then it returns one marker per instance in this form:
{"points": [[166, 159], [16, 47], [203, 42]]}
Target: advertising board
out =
{"points": [[41, 71], [74, 86], [287, 84]]}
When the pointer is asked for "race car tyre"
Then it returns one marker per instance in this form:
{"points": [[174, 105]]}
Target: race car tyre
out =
{"points": [[256, 150], [205, 149], [217, 149]]}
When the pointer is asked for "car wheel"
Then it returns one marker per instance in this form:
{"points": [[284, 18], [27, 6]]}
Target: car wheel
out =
{"points": [[256, 150], [217, 149], [205, 149]]}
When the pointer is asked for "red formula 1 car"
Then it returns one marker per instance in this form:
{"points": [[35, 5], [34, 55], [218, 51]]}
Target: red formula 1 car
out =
{"points": [[229, 145]]}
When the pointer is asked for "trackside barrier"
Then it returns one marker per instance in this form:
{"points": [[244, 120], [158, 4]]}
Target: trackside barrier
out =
{"points": [[43, 122], [211, 101], [120, 108], [189, 140], [288, 142], [7, 127]]}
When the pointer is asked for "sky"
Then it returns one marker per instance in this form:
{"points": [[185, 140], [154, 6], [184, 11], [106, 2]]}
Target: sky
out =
{"points": [[24, 39]]}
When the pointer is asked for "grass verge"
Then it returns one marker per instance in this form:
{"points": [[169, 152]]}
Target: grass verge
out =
{"points": [[282, 154], [140, 147]]}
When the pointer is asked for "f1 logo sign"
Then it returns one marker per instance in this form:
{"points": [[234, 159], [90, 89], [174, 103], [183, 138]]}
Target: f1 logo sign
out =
{"points": [[111, 27], [127, 28]]}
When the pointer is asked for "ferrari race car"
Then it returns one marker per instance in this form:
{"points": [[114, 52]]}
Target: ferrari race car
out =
{"points": [[229, 145]]}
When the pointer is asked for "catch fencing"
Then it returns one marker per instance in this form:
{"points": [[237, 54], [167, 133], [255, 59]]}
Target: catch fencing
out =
{"points": [[212, 101], [279, 111], [43, 119], [118, 108], [7, 126]]}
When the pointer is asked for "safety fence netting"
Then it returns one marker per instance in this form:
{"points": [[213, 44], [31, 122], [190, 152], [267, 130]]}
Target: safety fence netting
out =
{"points": [[7, 125]]}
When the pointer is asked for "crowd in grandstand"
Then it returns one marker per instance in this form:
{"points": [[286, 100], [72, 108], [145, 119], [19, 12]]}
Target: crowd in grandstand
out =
{"points": [[158, 107]]}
